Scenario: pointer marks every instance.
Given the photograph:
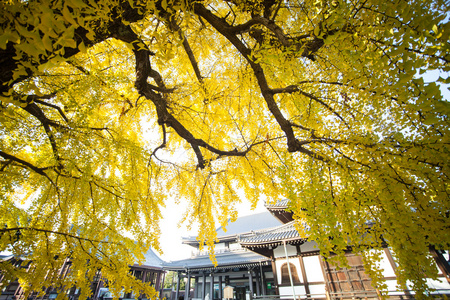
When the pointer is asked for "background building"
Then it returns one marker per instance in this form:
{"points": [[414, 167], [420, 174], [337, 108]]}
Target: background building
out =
{"points": [[150, 271], [249, 273]]}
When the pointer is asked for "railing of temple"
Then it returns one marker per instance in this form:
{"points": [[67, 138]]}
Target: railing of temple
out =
{"points": [[369, 295]]}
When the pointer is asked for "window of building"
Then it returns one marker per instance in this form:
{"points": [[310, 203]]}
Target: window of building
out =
{"points": [[138, 274], [150, 277], [285, 274]]}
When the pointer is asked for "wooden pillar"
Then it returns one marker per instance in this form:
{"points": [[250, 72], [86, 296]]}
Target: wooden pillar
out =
{"points": [[177, 292], [162, 285], [275, 276], [203, 286], [250, 282], [144, 275], [95, 289], [263, 280], [99, 286], [171, 287], [196, 286], [211, 286], [305, 278], [442, 264], [187, 289], [158, 275], [220, 288], [258, 283], [394, 267], [289, 270]]}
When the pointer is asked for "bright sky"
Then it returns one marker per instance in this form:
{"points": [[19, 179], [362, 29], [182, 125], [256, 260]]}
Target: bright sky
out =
{"points": [[171, 235]]}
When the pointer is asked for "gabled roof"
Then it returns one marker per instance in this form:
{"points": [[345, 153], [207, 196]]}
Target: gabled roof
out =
{"points": [[249, 223], [273, 237], [6, 257], [228, 260], [242, 225], [280, 210], [279, 205], [151, 260]]}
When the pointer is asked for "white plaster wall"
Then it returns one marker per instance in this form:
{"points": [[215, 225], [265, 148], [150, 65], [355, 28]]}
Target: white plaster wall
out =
{"points": [[279, 251], [440, 284], [286, 291], [392, 288], [235, 246], [239, 274], [313, 268], [219, 246], [309, 247], [293, 260], [317, 290], [388, 271], [208, 279]]}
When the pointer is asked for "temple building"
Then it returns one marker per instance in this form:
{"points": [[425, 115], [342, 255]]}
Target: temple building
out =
{"points": [[151, 270], [249, 273], [261, 258], [300, 270]]}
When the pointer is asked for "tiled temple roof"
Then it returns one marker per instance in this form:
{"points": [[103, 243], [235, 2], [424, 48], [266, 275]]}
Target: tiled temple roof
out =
{"points": [[229, 260], [151, 259], [273, 237], [242, 225], [279, 205]]}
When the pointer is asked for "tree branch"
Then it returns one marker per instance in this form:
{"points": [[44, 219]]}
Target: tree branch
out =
{"points": [[223, 27], [56, 232], [37, 112], [30, 166], [143, 71], [187, 48]]}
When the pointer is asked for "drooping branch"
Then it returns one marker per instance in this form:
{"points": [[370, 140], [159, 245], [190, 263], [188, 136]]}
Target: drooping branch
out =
{"points": [[187, 48], [18, 229], [28, 165], [307, 43], [286, 90], [163, 144], [269, 24], [60, 111], [33, 109], [310, 96]]}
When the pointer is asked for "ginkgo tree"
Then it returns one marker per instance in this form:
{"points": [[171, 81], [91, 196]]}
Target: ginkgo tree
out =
{"points": [[109, 107]]}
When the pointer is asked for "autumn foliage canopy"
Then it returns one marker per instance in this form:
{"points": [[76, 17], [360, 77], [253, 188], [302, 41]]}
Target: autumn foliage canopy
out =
{"points": [[110, 107]]}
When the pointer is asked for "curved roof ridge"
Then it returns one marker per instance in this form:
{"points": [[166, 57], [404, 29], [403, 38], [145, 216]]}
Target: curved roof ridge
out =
{"points": [[278, 204], [279, 228], [285, 232]]}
